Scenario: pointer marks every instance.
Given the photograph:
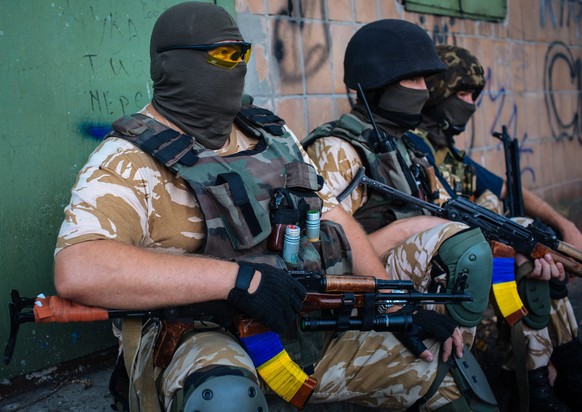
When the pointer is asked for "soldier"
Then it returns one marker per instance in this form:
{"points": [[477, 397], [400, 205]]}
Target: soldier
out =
{"points": [[386, 61], [172, 209], [449, 108]]}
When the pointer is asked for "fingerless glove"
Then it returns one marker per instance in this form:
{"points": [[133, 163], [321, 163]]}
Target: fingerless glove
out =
{"points": [[276, 301], [426, 324]]}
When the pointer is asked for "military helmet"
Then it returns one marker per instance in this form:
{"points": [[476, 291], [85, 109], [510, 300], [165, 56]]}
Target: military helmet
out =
{"points": [[387, 51], [464, 72]]}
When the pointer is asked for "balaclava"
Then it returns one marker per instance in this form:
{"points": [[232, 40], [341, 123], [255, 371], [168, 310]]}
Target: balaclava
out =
{"points": [[448, 119], [445, 115], [198, 97], [402, 105]]}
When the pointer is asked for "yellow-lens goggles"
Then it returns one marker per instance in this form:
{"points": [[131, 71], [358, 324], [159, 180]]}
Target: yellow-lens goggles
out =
{"points": [[226, 55]]}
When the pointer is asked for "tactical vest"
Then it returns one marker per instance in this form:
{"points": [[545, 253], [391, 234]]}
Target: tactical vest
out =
{"points": [[393, 168], [235, 193], [456, 177]]}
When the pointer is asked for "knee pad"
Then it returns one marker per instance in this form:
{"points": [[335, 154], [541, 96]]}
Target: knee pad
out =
{"points": [[220, 388], [467, 258], [535, 295]]}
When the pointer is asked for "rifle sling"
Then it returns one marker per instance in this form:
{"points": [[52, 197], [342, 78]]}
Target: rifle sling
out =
{"points": [[520, 365], [131, 337]]}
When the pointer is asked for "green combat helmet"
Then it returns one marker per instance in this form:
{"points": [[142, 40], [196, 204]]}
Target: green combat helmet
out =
{"points": [[464, 72]]}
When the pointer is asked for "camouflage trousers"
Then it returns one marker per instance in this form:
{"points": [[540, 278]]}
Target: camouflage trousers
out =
{"points": [[375, 369], [369, 368], [540, 343]]}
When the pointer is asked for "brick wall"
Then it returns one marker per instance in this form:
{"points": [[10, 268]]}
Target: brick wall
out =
{"points": [[532, 61]]}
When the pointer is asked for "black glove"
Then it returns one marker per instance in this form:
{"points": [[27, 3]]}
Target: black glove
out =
{"points": [[425, 324], [558, 288], [276, 301]]}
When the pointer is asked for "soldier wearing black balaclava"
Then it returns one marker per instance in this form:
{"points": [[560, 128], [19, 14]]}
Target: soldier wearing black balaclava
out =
{"points": [[385, 63], [181, 77], [452, 103]]}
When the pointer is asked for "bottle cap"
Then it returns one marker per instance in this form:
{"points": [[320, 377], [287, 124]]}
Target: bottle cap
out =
{"points": [[293, 231]]}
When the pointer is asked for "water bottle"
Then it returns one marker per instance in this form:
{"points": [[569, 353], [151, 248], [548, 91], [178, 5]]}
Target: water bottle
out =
{"points": [[312, 225], [291, 246]]}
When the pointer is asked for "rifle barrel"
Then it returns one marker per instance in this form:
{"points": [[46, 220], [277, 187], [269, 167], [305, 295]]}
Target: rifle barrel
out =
{"points": [[404, 196]]}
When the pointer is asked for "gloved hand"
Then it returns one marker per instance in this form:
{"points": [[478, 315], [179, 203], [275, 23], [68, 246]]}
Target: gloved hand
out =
{"points": [[426, 324], [276, 301]]}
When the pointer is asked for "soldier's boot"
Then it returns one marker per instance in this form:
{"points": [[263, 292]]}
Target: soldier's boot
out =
{"points": [[541, 396], [567, 359]]}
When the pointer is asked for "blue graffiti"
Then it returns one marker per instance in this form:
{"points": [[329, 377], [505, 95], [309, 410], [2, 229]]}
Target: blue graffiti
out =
{"points": [[96, 131], [499, 99], [570, 13]]}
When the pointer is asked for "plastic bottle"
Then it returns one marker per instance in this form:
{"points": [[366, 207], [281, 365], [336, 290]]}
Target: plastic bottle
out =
{"points": [[312, 225], [291, 245]]}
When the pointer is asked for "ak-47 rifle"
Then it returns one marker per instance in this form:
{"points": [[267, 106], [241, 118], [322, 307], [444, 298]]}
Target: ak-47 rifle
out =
{"points": [[530, 241], [514, 200], [338, 293]]}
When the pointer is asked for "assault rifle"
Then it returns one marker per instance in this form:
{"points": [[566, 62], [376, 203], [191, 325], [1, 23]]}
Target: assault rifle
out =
{"points": [[530, 241], [327, 293], [514, 202]]}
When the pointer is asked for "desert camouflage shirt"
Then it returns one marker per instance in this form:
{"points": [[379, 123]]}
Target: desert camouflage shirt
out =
{"points": [[338, 162], [123, 194]]}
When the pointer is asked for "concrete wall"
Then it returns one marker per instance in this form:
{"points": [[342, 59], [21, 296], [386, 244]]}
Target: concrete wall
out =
{"points": [[532, 61]]}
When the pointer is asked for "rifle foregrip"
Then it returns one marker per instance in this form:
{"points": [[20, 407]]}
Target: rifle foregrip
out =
{"points": [[355, 284], [56, 309], [570, 265]]}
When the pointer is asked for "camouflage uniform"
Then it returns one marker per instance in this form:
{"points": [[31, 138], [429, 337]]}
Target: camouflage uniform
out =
{"points": [[123, 194], [466, 74], [338, 162]]}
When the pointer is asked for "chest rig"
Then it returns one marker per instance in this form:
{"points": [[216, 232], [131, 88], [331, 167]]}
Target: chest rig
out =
{"points": [[456, 177], [236, 192], [394, 166]]}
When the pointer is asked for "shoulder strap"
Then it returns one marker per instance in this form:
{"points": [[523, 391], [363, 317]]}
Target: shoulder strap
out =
{"points": [[251, 119], [418, 143], [164, 144], [347, 127], [415, 142]]}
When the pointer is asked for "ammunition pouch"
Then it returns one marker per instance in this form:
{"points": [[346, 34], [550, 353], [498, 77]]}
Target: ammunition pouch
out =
{"points": [[535, 295]]}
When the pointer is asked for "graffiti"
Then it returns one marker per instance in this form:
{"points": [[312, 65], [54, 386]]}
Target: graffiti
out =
{"points": [[441, 33], [285, 41], [560, 64], [96, 131], [499, 99], [561, 13], [103, 103]]}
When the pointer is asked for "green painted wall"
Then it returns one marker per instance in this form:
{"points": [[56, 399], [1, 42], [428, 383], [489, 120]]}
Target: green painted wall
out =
{"points": [[68, 69]]}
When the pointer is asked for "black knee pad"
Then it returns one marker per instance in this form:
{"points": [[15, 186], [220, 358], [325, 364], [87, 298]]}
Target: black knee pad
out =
{"points": [[220, 388]]}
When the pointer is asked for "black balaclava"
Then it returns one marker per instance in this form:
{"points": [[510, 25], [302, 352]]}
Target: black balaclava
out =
{"points": [[198, 97], [447, 119], [387, 105]]}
